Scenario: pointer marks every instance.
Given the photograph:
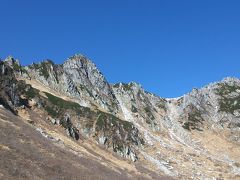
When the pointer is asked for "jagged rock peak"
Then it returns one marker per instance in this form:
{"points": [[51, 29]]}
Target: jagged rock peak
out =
{"points": [[132, 87], [10, 60], [228, 80], [231, 80], [79, 59], [76, 57], [78, 62]]}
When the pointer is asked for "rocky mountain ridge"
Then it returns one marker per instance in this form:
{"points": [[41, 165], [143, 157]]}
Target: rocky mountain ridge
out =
{"points": [[134, 123]]}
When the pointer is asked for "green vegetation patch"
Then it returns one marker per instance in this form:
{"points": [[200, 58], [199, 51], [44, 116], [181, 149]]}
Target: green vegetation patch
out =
{"points": [[118, 148], [58, 105], [134, 109], [117, 130], [162, 105], [194, 120], [106, 121], [149, 113], [27, 89], [229, 105], [225, 89], [126, 87], [43, 68], [226, 103], [32, 92], [19, 68], [61, 103], [51, 111]]}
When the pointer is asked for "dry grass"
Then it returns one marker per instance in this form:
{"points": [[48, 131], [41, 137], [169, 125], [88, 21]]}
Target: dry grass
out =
{"points": [[3, 147]]}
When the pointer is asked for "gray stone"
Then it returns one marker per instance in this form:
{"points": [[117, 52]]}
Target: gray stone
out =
{"points": [[102, 140], [53, 121], [57, 121]]}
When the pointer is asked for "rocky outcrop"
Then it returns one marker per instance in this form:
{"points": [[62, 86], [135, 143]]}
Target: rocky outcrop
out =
{"points": [[119, 135], [125, 118], [9, 88], [217, 104], [138, 104], [78, 78]]}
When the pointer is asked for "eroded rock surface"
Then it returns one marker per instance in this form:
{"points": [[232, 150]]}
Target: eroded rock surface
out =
{"points": [[194, 136]]}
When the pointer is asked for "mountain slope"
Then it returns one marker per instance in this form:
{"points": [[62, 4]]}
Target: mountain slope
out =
{"points": [[34, 145], [40, 151], [193, 136]]}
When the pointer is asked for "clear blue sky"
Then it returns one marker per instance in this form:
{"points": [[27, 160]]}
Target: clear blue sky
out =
{"points": [[168, 46]]}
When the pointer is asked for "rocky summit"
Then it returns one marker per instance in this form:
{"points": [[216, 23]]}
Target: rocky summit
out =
{"points": [[66, 121]]}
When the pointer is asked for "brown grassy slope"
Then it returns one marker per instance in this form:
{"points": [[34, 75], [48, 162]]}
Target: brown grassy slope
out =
{"points": [[26, 154]]}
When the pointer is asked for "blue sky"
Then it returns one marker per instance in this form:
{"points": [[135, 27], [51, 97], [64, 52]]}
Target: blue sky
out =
{"points": [[168, 46]]}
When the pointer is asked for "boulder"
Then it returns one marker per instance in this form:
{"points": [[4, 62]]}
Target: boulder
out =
{"points": [[102, 140]]}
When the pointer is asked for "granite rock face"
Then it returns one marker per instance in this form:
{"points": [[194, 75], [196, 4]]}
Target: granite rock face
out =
{"points": [[216, 105], [130, 121], [78, 78], [139, 104], [120, 136], [9, 94]]}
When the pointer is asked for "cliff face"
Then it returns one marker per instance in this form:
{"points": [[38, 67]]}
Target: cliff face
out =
{"points": [[199, 130], [108, 130], [79, 78], [213, 106]]}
